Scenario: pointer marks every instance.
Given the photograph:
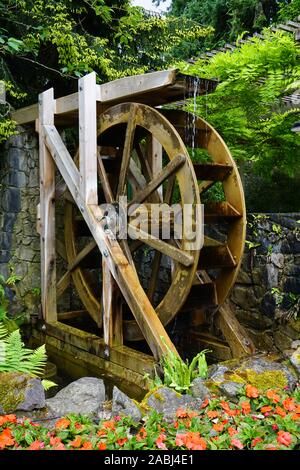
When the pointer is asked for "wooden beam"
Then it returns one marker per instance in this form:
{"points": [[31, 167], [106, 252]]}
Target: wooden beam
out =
{"points": [[236, 336], [47, 210], [112, 310], [166, 172], [127, 151], [155, 160], [88, 138]]}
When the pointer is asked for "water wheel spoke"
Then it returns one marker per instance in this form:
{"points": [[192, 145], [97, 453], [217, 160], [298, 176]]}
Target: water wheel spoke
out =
{"points": [[205, 185], [128, 145], [104, 181], [165, 248], [164, 174], [125, 247], [154, 275], [135, 175], [64, 282]]}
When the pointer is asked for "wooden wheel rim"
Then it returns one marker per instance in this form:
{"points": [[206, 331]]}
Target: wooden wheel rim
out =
{"points": [[211, 140], [182, 279]]}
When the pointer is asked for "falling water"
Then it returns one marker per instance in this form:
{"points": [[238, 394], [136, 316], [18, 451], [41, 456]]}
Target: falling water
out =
{"points": [[193, 86]]}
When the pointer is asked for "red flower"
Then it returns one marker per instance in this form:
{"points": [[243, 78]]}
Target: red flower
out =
{"points": [[237, 443], [246, 407], [160, 442], [102, 446], [6, 438], [62, 423], [251, 391], [275, 427], [78, 426], [87, 446], [284, 438], [256, 441], [36, 445], [121, 442]]}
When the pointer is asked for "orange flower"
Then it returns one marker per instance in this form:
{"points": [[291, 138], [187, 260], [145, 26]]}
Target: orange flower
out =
{"points": [[232, 431], [295, 416], [121, 442], [87, 446], [251, 391], [62, 423], [205, 403], [6, 438], [160, 442], [212, 414], [297, 409], [54, 441], [218, 427], [256, 441], [77, 442], [109, 425], [289, 404], [280, 411], [225, 406], [192, 414], [181, 413], [102, 446], [36, 445], [7, 419], [246, 407], [101, 432], [272, 395], [78, 426], [266, 409], [284, 438]]}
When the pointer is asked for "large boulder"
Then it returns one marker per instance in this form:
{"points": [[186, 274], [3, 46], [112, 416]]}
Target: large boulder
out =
{"points": [[262, 371], [123, 405], [20, 392], [84, 396], [166, 401]]}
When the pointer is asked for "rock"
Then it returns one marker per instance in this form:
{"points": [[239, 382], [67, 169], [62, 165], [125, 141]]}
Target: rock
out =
{"points": [[295, 344], [166, 401], [123, 405], [231, 389], [295, 360], [199, 389], [20, 392], [262, 371], [84, 396], [277, 259]]}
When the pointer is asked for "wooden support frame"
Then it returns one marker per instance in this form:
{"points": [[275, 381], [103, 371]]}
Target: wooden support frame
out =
{"points": [[47, 210]]}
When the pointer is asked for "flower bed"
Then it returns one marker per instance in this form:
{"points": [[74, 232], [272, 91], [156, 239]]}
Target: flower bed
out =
{"points": [[259, 421]]}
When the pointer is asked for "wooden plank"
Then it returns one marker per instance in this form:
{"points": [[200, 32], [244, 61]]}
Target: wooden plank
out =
{"points": [[220, 350], [155, 159], [212, 171], [127, 151], [112, 311], [88, 138], [167, 249], [63, 284], [166, 172], [122, 356], [216, 257], [236, 336], [214, 211], [65, 316], [104, 181], [47, 210]]}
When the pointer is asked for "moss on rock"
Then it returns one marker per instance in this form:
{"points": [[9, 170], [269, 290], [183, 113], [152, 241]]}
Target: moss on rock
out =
{"points": [[12, 386], [267, 379]]}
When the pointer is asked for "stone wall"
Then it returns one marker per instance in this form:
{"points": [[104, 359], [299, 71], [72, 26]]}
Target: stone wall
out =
{"points": [[19, 196], [265, 297]]}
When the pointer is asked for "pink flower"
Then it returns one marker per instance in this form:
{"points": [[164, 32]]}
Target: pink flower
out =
{"points": [[180, 440], [237, 443], [117, 418], [160, 442], [284, 438]]}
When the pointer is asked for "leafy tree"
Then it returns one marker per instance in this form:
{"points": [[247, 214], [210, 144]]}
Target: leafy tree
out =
{"points": [[247, 106]]}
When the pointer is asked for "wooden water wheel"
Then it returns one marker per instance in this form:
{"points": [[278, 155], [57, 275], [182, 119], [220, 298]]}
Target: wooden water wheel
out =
{"points": [[130, 145]]}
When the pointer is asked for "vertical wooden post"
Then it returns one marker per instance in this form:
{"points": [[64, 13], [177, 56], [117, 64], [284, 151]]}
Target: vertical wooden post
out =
{"points": [[47, 210], [155, 160], [112, 309], [88, 138]]}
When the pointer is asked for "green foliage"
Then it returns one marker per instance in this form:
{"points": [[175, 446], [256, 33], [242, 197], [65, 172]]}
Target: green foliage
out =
{"points": [[14, 357], [289, 10], [179, 374], [47, 384], [247, 107]]}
